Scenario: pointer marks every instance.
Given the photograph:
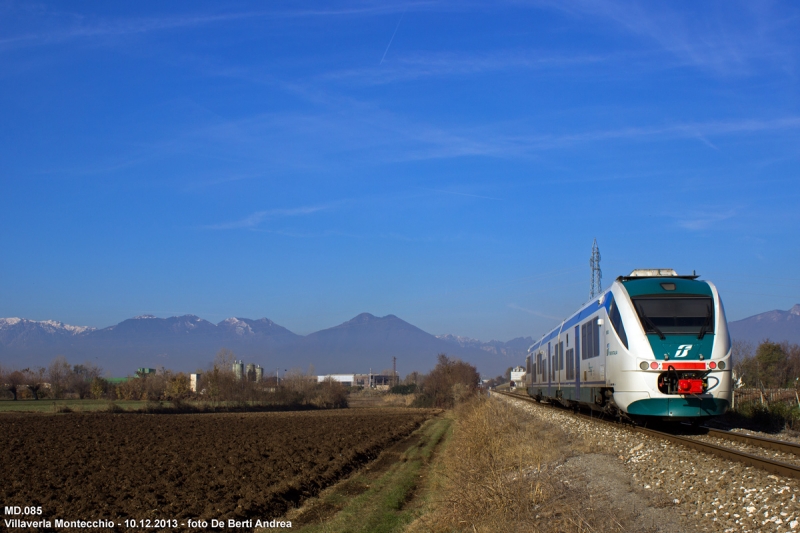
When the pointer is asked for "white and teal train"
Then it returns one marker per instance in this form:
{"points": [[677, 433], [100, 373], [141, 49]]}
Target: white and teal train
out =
{"points": [[654, 344]]}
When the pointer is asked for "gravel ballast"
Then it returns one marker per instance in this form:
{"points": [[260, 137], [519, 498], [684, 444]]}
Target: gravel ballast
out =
{"points": [[715, 494]]}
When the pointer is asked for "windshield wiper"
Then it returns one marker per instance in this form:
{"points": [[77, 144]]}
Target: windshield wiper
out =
{"points": [[706, 325], [650, 323]]}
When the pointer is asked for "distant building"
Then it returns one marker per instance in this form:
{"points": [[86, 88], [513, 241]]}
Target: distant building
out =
{"points": [[249, 372], [345, 379], [517, 374], [145, 371], [367, 381], [238, 369], [194, 379], [381, 381]]}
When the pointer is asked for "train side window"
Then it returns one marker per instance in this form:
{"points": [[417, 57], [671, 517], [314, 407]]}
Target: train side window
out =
{"points": [[584, 344], [590, 339], [596, 339], [616, 321], [570, 364], [555, 357], [560, 356]]}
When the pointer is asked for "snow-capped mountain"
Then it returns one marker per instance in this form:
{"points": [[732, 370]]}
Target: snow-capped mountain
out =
{"points": [[48, 326], [516, 348], [37, 334], [189, 343]]}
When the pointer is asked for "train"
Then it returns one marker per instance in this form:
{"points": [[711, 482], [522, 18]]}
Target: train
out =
{"points": [[652, 346]]}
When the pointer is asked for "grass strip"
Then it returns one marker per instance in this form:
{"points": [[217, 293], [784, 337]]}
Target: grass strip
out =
{"points": [[58, 406], [383, 506]]}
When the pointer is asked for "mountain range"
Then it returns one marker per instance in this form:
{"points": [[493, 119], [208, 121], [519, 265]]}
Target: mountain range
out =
{"points": [[188, 343], [362, 344], [777, 326]]}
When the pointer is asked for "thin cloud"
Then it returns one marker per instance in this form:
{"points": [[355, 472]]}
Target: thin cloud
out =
{"points": [[698, 221], [392, 39], [532, 312], [420, 66], [254, 220], [70, 26], [465, 194], [734, 40]]}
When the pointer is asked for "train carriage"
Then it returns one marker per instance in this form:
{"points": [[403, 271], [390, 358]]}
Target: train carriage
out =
{"points": [[654, 344]]}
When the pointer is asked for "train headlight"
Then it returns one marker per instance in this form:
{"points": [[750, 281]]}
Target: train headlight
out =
{"points": [[721, 365], [712, 365], [654, 365], [643, 365]]}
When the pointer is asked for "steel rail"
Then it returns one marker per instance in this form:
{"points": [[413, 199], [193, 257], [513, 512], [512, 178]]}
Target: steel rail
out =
{"points": [[776, 467], [753, 440]]}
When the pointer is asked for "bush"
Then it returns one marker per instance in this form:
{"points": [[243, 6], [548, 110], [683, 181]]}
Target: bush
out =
{"points": [[329, 395], [450, 382], [411, 388], [771, 417]]}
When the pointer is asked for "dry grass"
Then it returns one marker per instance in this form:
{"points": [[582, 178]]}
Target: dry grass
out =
{"points": [[497, 474], [380, 399]]}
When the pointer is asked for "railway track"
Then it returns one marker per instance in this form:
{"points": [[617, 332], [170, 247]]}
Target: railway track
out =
{"points": [[783, 468]]}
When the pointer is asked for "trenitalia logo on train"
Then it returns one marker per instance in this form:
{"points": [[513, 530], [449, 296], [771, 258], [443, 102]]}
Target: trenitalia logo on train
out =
{"points": [[654, 345]]}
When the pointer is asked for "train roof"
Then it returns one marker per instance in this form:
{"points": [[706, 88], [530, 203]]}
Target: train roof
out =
{"points": [[641, 273], [639, 282]]}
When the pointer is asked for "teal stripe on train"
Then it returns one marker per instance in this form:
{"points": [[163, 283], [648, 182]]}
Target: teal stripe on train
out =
{"points": [[679, 407], [652, 286]]}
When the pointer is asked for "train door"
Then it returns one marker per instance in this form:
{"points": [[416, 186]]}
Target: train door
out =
{"points": [[549, 368], [539, 367], [603, 348], [577, 362]]}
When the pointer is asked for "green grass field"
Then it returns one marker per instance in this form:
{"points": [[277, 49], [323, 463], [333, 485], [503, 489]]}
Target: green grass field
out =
{"points": [[54, 406], [386, 502]]}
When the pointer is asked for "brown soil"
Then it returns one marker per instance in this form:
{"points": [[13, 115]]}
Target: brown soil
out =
{"points": [[320, 509], [256, 465]]}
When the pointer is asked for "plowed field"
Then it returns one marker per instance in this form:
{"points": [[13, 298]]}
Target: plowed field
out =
{"points": [[254, 465]]}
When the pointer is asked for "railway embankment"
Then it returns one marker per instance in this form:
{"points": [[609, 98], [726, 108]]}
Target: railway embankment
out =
{"points": [[505, 469], [700, 491]]}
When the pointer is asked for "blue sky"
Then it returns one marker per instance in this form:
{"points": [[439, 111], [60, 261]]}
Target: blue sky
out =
{"points": [[449, 163]]}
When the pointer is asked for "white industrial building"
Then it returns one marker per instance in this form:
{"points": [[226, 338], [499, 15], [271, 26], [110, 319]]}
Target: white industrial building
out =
{"points": [[366, 381], [345, 379]]}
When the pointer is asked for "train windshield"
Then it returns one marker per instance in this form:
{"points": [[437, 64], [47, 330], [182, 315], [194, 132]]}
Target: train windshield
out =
{"points": [[676, 315]]}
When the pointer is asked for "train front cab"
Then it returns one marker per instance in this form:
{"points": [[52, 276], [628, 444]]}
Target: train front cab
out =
{"points": [[672, 358]]}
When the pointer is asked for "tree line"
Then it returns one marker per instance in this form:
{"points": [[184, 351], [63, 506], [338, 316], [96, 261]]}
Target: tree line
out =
{"points": [[450, 382], [770, 365], [62, 380]]}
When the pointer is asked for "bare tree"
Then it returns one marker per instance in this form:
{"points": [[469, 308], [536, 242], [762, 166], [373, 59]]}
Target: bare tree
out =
{"points": [[12, 381], [224, 361], [412, 378], [34, 380], [59, 373], [744, 366], [82, 376]]}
